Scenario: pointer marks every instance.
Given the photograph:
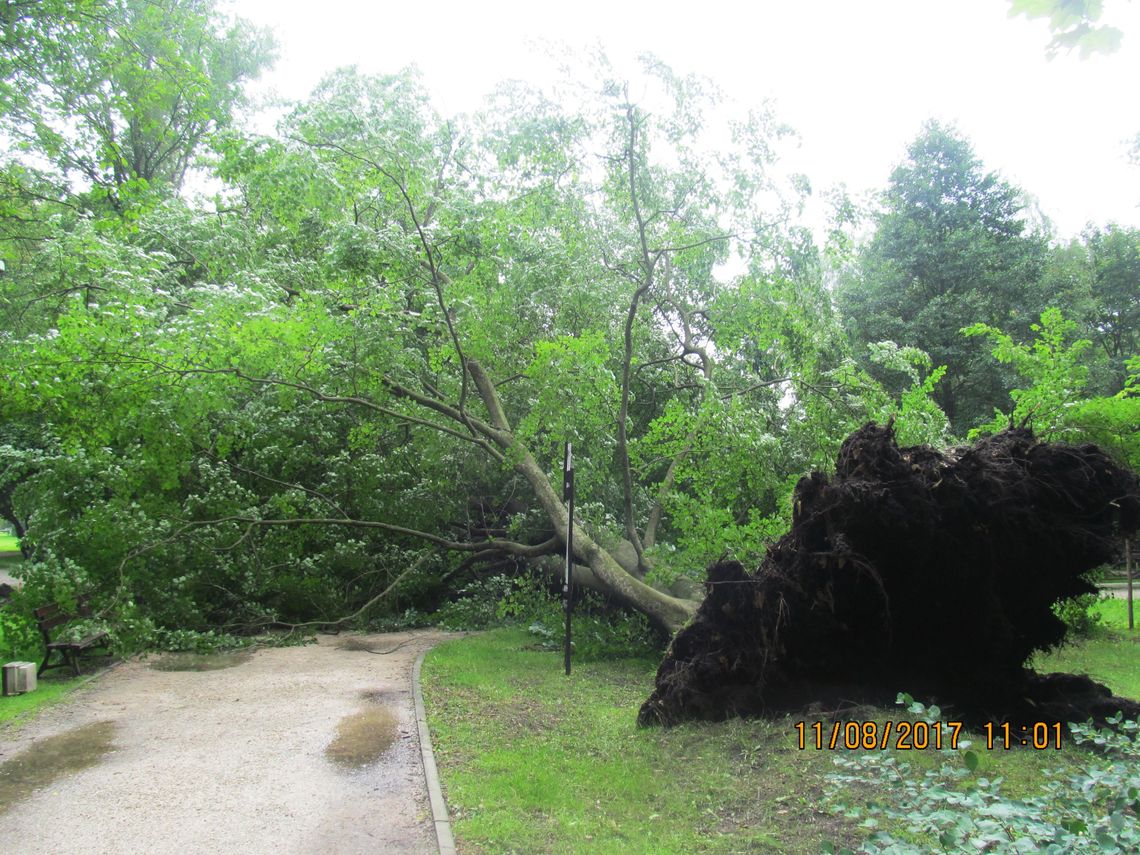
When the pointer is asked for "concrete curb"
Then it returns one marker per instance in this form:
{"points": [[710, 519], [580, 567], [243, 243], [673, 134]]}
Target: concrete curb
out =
{"points": [[435, 792]]}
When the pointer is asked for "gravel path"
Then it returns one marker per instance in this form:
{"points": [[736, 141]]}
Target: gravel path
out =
{"points": [[7, 578], [1119, 590], [284, 752]]}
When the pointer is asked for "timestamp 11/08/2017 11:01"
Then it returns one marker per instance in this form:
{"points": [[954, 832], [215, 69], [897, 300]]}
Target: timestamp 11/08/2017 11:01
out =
{"points": [[921, 735]]}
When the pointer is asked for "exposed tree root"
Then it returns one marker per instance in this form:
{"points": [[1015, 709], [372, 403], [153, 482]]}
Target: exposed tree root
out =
{"points": [[911, 570]]}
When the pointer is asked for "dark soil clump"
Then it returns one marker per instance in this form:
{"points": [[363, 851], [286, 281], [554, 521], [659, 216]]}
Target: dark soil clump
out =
{"points": [[913, 570]]}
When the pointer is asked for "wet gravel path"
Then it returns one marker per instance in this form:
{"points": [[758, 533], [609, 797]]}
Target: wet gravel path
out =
{"points": [[308, 750]]}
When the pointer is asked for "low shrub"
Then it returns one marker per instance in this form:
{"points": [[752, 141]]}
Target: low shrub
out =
{"points": [[1080, 616], [19, 638], [477, 606], [600, 629], [1094, 810]]}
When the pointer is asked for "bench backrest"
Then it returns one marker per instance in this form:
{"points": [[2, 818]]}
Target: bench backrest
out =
{"points": [[52, 615]]}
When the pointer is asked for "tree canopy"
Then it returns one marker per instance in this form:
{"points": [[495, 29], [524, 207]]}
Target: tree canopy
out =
{"points": [[347, 381], [950, 248], [118, 95]]}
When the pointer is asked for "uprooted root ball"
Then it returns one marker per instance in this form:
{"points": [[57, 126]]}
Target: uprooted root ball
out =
{"points": [[911, 569]]}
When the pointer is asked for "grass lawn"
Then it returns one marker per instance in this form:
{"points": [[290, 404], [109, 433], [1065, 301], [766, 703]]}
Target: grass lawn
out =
{"points": [[52, 687], [9, 543], [533, 761], [1111, 657]]}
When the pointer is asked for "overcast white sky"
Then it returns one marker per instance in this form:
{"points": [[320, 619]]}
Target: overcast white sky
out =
{"points": [[855, 79]]}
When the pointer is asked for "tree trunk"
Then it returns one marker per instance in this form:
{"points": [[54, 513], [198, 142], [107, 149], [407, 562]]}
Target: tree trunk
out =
{"points": [[665, 612]]}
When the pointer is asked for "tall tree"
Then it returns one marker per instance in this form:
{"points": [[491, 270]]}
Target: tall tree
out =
{"points": [[121, 94], [1095, 279], [950, 249], [1114, 319]]}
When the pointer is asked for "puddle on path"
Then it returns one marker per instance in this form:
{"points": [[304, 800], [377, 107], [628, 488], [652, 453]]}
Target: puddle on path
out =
{"points": [[354, 642], [48, 760], [362, 737], [201, 661]]}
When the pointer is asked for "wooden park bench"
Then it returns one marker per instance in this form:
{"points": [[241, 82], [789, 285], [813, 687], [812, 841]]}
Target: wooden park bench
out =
{"points": [[51, 616]]}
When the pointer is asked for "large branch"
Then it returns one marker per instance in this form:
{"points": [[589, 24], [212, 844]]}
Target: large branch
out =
{"points": [[478, 427], [481, 431], [666, 612], [508, 547], [488, 547], [688, 346], [648, 264]]}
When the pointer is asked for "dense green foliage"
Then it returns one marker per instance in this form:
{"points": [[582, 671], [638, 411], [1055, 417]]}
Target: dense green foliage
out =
{"points": [[1053, 393], [341, 388], [950, 248], [119, 95], [1093, 809]]}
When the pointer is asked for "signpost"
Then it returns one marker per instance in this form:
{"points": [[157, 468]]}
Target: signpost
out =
{"points": [[568, 578]]}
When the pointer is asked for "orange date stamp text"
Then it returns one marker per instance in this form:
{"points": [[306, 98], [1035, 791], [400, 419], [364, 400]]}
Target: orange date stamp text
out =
{"points": [[877, 735]]}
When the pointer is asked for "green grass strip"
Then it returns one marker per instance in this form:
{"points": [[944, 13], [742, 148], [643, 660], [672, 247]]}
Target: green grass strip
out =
{"points": [[52, 688], [533, 761], [1111, 656]]}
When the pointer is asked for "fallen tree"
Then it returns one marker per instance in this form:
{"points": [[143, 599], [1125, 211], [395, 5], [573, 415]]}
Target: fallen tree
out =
{"points": [[911, 569]]}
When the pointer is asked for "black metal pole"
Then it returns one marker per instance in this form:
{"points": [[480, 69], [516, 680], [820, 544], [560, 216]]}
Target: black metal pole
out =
{"points": [[1128, 570], [568, 579]]}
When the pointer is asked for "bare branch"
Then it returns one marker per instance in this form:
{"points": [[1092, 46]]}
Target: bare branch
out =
{"points": [[466, 437], [754, 386], [695, 245], [664, 361], [437, 277], [648, 263], [509, 547], [689, 346]]}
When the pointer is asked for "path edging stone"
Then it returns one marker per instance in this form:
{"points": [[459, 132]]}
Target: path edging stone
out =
{"points": [[440, 819]]}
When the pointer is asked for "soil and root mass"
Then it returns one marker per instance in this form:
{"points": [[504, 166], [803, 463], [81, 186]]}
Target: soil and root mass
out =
{"points": [[930, 572]]}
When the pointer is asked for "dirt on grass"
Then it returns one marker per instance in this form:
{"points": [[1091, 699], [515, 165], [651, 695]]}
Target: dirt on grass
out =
{"points": [[302, 750]]}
